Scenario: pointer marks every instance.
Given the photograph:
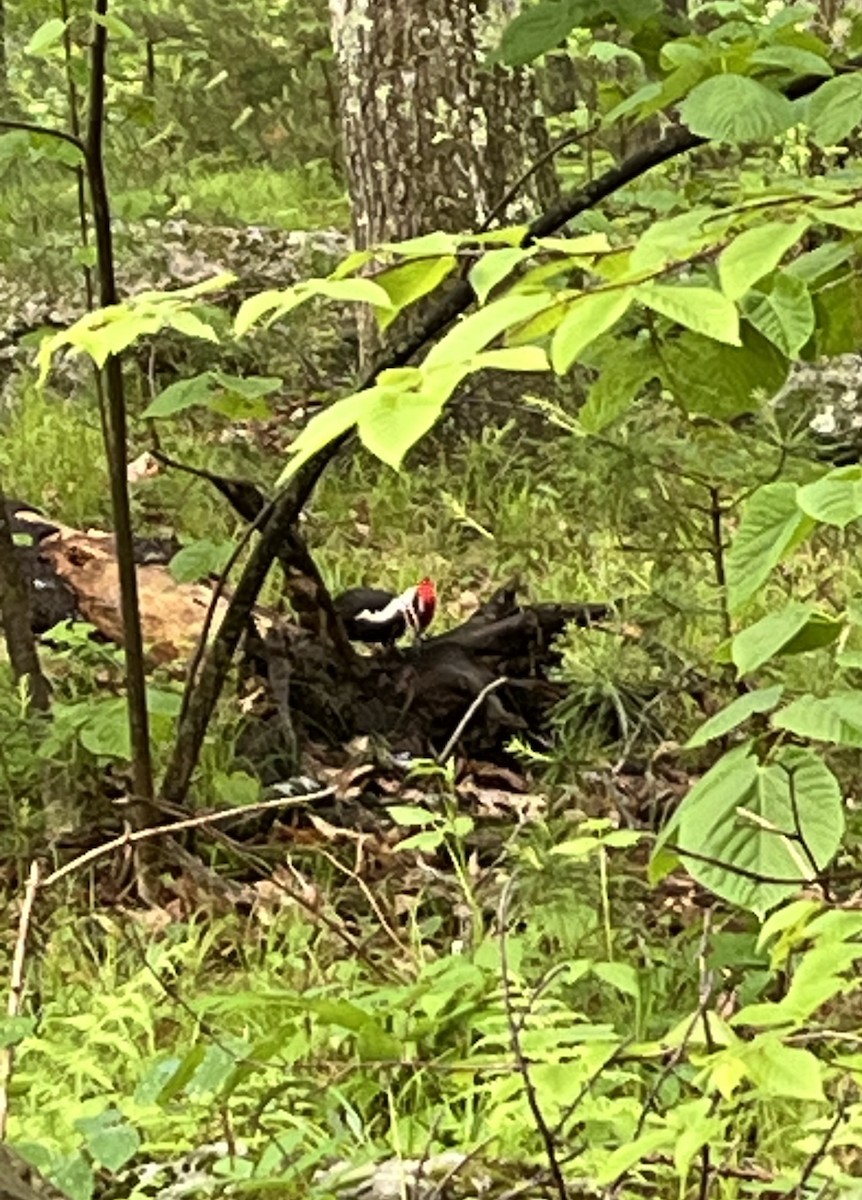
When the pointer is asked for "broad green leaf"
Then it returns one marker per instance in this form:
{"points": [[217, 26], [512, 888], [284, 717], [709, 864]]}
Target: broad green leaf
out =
{"points": [[746, 817], [410, 281], [116, 27], [621, 1160], [537, 30], [632, 365], [722, 381], [250, 386], [815, 266], [771, 527], [835, 499], [473, 333], [835, 109], [493, 267], [755, 253], [793, 59], [236, 788], [187, 322], [358, 291], [838, 306], [49, 34], [788, 1072], [200, 559], [394, 421], [587, 317], [430, 245], [254, 308], [701, 309], [673, 239], [843, 216], [784, 315], [734, 714], [109, 1138], [733, 108], [734, 774], [619, 975], [791, 630], [835, 718], [14, 1029], [324, 428], [176, 397], [512, 358]]}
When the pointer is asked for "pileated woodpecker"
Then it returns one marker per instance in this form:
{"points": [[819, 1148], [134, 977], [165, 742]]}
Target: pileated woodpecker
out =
{"points": [[374, 615]]}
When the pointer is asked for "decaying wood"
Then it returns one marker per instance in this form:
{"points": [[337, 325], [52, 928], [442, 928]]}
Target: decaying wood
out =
{"points": [[414, 696]]}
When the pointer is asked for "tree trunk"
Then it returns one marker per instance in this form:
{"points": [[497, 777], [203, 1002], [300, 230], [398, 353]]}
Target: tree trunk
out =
{"points": [[4, 71], [433, 139], [16, 619]]}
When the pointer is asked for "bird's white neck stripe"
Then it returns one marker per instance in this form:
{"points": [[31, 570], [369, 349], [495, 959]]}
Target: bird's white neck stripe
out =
{"points": [[402, 605]]}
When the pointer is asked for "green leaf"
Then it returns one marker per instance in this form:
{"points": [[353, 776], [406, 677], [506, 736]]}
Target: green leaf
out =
{"points": [[793, 59], [409, 281], [537, 30], [733, 108], [838, 306], [621, 976], [46, 37], [783, 1071], [734, 714], [704, 310], [473, 333], [408, 815], [784, 315], [394, 421], [621, 1160], [493, 267], [200, 559], [791, 630], [249, 386], [721, 381], [109, 1138], [631, 366], [836, 718], [14, 1029], [190, 324], [843, 216], [512, 358], [835, 499], [771, 527], [756, 253], [835, 109], [325, 427], [744, 815], [587, 317], [236, 788], [176, 397]]}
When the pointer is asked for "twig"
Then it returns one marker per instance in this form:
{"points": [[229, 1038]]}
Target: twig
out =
{"points": [[520, 1059], [16, 992], [130, 837], [499, 209], [821, 1151], [468, 716], [33, 127]]}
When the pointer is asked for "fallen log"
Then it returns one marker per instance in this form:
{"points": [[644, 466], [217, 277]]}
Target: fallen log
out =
{"points": [[496, 666]]}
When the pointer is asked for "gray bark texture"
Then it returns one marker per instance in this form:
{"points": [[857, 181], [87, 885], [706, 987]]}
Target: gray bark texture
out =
{"points": [[433, 138]]}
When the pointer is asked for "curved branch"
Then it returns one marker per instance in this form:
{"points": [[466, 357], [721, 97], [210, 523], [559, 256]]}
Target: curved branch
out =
{"points": [[32, 127]]}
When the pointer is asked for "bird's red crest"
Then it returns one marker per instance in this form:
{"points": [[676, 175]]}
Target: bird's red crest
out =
{"points": [[426, 597]]}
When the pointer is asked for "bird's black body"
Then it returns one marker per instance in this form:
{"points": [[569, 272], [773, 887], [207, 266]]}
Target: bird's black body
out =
{"points": [[350, 606]]}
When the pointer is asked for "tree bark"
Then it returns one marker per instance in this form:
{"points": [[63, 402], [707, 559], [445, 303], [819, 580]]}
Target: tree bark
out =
{"points": [[16, 618], [433, 139]]}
